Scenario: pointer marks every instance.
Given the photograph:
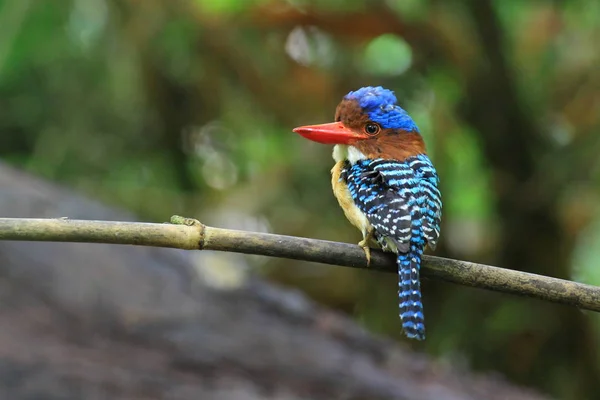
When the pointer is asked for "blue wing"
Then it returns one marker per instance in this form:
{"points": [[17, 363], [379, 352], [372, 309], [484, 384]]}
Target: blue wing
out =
{"points": [[401, 199]]}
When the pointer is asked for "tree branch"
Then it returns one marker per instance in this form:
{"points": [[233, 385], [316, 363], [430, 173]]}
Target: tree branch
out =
{"points": [[188, 234]]}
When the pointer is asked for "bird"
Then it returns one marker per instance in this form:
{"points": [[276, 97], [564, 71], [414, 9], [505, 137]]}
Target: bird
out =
{"points": [[386, 186]]}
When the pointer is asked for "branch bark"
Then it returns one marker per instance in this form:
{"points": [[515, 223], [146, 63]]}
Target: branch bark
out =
{"points": [[188, 234]]}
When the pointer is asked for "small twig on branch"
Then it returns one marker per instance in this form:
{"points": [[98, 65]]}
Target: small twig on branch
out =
{"points": [[188, 234]]}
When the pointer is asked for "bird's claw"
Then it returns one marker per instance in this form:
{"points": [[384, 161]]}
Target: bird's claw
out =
{"points": [[365, 246]]}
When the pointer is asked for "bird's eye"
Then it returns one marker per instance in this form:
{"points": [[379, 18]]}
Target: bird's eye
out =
{"points": [[372, 128]]}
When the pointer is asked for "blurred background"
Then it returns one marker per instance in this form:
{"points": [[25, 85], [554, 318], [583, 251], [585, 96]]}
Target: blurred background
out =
{"points": [[186, 107]]}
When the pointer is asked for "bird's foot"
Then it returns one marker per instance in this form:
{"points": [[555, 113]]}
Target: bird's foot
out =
{"points": [[367, 251], [365, 245]]}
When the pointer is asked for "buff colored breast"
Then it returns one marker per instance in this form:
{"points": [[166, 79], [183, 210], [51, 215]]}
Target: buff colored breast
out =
{"points": [[342, 194]]}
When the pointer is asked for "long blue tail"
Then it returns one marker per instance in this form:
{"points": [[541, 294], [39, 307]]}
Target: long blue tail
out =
{"points": [[411, 308]]}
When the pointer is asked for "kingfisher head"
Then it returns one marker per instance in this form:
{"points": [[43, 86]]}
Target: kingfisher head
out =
{"points": [[370, 123]]}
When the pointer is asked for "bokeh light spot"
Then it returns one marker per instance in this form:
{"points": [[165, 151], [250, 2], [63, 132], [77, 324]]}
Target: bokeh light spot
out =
{"points": [[386, 55]]}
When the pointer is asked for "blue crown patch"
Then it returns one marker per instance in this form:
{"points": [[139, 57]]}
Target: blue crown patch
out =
{"points": [[381, 106]]}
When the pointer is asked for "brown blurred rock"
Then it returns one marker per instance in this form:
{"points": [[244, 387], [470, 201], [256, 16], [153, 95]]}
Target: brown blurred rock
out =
{"points": [[88, 321]]}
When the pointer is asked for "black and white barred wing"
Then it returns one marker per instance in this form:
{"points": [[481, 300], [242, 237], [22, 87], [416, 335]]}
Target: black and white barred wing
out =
{"points": [[416, 180], [400, 199]]}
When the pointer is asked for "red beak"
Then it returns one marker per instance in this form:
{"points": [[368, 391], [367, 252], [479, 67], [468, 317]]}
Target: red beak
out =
{"points": [[332, 133]]}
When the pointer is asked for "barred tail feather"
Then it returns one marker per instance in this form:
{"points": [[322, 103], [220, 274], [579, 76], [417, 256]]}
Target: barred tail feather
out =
{"points": [[411, 308]]}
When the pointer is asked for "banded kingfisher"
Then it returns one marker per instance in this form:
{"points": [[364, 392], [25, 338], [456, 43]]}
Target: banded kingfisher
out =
{"points": [[386, 185]]}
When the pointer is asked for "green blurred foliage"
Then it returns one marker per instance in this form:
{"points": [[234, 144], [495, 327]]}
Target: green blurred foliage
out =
{"points": [[186, 107], [386, 55]]}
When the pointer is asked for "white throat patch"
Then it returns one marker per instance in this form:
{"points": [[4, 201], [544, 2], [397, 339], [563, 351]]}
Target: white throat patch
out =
{"points": [[343, 152]]}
